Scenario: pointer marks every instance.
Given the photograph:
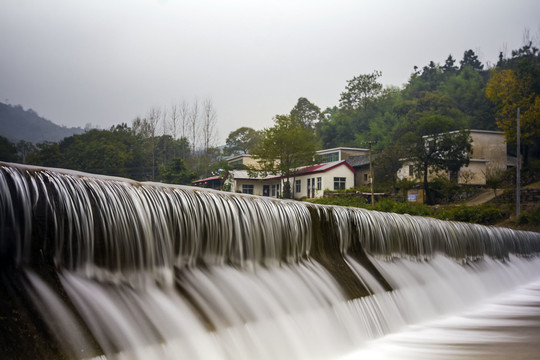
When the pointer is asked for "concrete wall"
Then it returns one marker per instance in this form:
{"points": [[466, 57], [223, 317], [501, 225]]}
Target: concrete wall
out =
{"points": [[345, 154], [245, 160], [489, 145], [360, 178]]}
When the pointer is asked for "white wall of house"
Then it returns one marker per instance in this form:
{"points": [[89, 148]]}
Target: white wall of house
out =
{"points": [[258, 185], [274, 186], [327, 181]]}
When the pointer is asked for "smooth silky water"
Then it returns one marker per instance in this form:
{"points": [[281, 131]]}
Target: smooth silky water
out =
{"points": [[108, 268]]}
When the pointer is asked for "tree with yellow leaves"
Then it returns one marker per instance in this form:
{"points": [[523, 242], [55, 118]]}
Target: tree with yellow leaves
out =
{"points": [[510, 92]]}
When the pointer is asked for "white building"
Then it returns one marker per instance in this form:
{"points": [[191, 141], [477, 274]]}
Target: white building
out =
{"points": [[308, 181]]}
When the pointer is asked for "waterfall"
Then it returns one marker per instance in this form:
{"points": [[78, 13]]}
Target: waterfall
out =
{"points": [[101, 267]]}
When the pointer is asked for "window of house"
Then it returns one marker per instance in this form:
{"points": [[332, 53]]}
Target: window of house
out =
{"points": [[247, 188], [411, 170], [298, 186], [339, 183], [365, 178], [273, 190], [324, 158], [319, 183]]}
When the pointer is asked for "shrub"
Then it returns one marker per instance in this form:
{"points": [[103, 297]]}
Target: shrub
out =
{"points": [[530, 217], [481, 214]]}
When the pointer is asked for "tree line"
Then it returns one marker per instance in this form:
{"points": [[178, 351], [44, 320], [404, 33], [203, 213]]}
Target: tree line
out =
{"points": [[175, 144]]}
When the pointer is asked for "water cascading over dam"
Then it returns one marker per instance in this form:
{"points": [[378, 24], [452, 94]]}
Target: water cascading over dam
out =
{"points": [[97, 267]]}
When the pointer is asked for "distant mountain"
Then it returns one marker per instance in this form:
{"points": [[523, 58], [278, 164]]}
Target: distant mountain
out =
{"points": [[19, 124]]}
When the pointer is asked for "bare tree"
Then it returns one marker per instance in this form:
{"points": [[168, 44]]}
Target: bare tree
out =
{"points": [[164, 139], [194, 124], [140, 127], [24, 148], [208, 125], [174, 119], [152, 121], [184, 124]]}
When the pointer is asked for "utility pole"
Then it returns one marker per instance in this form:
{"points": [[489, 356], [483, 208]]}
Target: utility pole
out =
{"points": [[518, 167], [370, 143]]}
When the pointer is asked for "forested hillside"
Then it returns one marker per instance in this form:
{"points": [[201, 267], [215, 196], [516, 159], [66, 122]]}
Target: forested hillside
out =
{"points": [[19, 124]]}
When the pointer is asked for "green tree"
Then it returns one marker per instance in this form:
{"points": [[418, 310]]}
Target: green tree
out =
{"points": [[47, 154], [176, 172], [468, 90], [381, 120], [426, 104], [386, 165], [338, 128], [241, 141], [8, 151], [361, 91], [449, 67], [427, 80], [96, 151], [283, 148], [471, 59], [307, 112]]}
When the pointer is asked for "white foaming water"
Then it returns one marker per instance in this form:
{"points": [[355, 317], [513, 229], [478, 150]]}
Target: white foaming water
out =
{"points": [[504, 327], [277, 314]]}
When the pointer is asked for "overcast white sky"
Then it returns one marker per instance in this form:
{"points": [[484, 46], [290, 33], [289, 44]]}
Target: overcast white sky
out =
{"points": [[108, 61]]}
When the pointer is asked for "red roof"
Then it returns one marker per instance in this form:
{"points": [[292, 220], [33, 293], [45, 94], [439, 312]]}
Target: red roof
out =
{"points": [[310, 169], [322, 167]]}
